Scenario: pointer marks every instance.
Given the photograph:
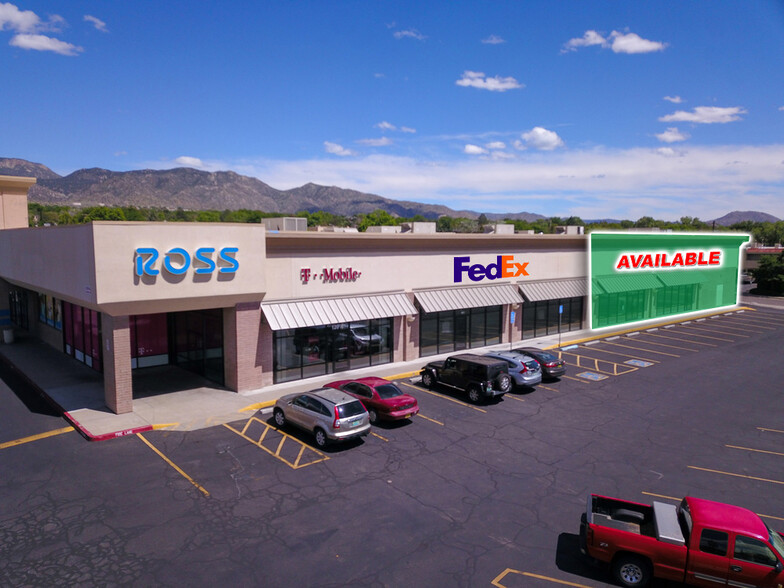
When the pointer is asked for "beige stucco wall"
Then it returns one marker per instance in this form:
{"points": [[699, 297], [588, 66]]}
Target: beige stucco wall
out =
{"points": [[94, 265], [13, 201], [399, 262]]}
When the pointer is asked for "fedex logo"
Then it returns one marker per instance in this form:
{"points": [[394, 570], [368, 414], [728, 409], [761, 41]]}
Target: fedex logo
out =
{"points": [[504, 267]]}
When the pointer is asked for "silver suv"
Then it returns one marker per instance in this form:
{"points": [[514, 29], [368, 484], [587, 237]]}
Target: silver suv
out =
{"points": [[523, 368], [331, 415]]}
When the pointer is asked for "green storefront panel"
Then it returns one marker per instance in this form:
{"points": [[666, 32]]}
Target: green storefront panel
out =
{"points": [[643, 276]]}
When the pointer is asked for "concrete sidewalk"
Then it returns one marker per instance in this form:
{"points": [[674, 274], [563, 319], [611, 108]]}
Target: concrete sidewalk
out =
{"points": [[175, 399]]}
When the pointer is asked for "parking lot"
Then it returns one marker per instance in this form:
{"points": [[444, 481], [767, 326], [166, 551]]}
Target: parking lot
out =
{"points": [[460, 495]]}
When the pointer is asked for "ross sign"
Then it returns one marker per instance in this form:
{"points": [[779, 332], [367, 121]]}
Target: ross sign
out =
{"points": [[177, 261], [329, 275], [504, 267]]}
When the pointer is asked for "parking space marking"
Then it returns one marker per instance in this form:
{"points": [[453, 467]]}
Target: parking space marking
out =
{"points": [[431, 420], [172, 464], [296, 464], [755, 450], [593, 377], [543, 387], [24, 440], [715, 331], [736, 475], [679, 499], [513, 398], [379, 436], [756, 324], [641, 349], [671, 346], [690, 334], [724, 325], [679, 339], [573, 378], [611, 368], [497, 580], [455, 400], [770, 430], [623, 354], [638, 363]]}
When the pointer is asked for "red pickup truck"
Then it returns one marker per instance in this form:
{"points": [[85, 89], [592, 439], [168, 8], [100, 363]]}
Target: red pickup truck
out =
{"points": [[699, 543]]}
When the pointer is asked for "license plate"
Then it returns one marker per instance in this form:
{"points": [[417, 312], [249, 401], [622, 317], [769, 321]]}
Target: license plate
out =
{"points": [[353, 424]]}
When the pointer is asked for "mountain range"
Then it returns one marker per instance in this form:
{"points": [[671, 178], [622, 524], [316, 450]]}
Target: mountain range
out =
{"points": [[192, 189]]}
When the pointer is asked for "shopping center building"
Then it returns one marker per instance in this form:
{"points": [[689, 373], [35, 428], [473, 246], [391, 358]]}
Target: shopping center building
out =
{"points": [[248, 308]]}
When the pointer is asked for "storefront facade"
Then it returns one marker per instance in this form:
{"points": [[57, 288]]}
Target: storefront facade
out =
{"points": [[248, 309]]}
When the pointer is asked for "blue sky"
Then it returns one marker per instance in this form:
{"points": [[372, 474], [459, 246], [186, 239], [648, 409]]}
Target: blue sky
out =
{"points": [[596, 109]]}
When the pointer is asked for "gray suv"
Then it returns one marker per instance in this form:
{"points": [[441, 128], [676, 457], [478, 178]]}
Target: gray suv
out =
{"points": [[523, 368], [331, 415]]}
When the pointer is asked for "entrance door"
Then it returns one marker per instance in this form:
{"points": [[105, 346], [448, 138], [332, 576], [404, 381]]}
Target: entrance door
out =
{"points": [[340, 344], [461, 329]]}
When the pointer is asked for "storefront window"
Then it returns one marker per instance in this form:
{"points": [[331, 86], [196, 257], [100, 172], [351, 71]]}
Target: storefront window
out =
{"points": [[50, 311], [17, 300], [82, 334], [543, 317], [149, 340], [315, 351], [455, 330]]}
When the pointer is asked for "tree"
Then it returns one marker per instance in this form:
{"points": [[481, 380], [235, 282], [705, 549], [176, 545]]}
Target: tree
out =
{"points": [[769, 275], [377, 218]]}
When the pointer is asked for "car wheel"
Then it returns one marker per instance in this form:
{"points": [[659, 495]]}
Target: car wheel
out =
{"points": [[631, 571], [280, 418], [503, 383], [321, 438], [474, 394], [372, 415], [428, 380]]}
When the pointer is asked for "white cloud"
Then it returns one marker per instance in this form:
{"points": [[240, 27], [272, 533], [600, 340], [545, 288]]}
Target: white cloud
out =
{"points": [[380, 142], [44, 43], [385, 126], [667, 152], [542, 139], [28, 28], [781, 107], [632, 43], [672, 135], [496, 145], [673, 99], [96, 22], [617, 41], [407, 130], [706, 115], [477, 79], [411, 34], [336, 149], [589, 39], [189, 161], [474, 150], [493, 40]]}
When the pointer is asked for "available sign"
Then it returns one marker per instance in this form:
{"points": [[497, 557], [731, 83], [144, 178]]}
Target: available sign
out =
{"points": [[504, 267], [637, 277]]}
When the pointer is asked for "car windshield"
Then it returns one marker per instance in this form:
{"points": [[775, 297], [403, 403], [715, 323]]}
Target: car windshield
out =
{"points": [[360, 331], [388, 391], [548, 356], [350, 409], [777, 541], [531, 364]]}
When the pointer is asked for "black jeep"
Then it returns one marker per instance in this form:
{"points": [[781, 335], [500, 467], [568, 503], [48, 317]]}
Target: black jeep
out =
{"points": [[478, 375]]}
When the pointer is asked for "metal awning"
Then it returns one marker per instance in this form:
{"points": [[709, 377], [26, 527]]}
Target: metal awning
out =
{"points": [[470, 297], [329, 311], [627, 282], [679, 278], [554, 289]]}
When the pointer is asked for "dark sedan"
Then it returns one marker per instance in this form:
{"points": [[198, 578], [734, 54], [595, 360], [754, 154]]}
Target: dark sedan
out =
{"points": [[552, 366], [382, 399]]}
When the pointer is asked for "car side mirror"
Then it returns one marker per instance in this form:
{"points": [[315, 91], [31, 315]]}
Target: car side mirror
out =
{"points": [[779, 567]]}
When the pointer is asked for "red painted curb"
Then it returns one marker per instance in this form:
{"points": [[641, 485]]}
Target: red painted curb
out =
{"points": [[105, 436]]}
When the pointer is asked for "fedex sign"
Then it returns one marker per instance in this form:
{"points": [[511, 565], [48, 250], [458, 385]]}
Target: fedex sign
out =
{"points": [[504, 267]]}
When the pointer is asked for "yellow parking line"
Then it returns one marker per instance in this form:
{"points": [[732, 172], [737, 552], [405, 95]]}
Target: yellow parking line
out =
{"points": [[171, 463], [497, 580], [599, 349], [715, 331], [513, 398], [756, 324], [431, 420], [770, 430], [379, 436], [736, 475], [627, 368], [669, 345], [548, 387], [726, 326], [755, 450], [295, 464], [575, 379], [444, 397], [679, 339], [639, 348], [24, 440]]}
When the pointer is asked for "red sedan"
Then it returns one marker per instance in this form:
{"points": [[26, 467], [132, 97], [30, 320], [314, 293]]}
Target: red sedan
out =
{"points": [[382, 399]]}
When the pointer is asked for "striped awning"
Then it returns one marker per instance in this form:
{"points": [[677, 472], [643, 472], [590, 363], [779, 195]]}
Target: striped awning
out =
{"points": [[679, 278], [470, 297], [329, 311], [627, 282], [554, 289]]}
